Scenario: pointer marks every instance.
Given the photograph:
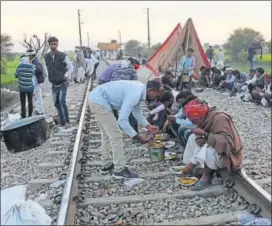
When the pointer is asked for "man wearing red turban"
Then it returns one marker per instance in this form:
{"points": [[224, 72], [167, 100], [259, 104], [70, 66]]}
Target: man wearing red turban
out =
{"points": [[214, 144]]}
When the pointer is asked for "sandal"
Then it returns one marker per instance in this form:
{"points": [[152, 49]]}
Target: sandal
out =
{"points": [[200, 185]]}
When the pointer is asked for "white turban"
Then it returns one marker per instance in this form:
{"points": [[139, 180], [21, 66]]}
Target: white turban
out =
{"points": [[24, 60], [124, 64]]}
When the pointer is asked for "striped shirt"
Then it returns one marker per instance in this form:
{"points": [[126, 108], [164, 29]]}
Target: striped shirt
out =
{"points": [[25, 74]]}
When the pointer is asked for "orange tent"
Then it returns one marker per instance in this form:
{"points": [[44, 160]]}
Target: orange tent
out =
{"points": [[175, 46]]}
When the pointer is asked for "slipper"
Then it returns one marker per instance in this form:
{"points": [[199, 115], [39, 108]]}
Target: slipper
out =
{"points": [[200, 185]]}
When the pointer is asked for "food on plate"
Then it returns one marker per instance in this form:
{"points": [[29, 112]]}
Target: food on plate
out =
{"points": [[187, 180], [158, 136], [157, 144]]}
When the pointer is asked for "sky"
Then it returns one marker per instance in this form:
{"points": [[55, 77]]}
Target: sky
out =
{"points": [[213, 20]]}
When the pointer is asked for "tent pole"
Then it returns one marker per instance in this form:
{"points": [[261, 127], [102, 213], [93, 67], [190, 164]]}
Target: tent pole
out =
{"points": [[188, 35]]}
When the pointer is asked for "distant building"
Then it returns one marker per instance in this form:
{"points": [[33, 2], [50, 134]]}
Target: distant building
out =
{"points": [[108, 46]]}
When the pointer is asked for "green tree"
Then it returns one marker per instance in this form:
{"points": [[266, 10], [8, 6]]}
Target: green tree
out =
{"points": [[216, 46], [206, 45], [154, 48], [6, 45], [268, 44], [241, 39], [131, 47]]}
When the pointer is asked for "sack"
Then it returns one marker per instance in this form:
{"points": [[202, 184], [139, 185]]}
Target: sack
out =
{"points": [[26, 213], [185, 78], [16, 211]]}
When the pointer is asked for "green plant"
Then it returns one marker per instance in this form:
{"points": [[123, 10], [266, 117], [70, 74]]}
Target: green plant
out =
{"points": [[8, 76]]}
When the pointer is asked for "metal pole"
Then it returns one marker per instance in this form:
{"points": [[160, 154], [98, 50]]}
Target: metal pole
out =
{"points": [[120, 40], [148, 32], [79, 28], [88, 39]]}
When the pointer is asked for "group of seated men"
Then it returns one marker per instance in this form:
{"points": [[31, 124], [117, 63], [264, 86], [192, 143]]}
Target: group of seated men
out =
{"points": [[253, 87], [209, 137]]}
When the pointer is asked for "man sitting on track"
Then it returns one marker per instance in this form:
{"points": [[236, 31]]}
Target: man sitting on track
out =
{"points": [[125, 96], [214, 145]]}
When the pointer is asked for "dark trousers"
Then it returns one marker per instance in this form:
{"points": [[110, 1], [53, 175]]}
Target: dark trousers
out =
{"points": [[181, 133], [59, 98], [180, 84], [184, 134], [95, 68], [29, 96], [132, 121], [162, 116]]}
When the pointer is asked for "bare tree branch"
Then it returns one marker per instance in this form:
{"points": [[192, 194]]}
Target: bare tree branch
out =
{"points": [[35, 43]]}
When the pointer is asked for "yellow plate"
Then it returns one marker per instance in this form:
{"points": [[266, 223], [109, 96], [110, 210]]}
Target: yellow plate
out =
{"points": [[161, 136], [186, 181], [170, 155]]}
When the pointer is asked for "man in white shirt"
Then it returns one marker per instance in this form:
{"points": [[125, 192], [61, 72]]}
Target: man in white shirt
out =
{"points": [[220, 59], [95, 60], [125, 96]]}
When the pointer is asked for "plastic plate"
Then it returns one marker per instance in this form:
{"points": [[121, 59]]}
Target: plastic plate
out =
{"points": [[181, 180], [170, 155], [169, 144], [177, 170]]}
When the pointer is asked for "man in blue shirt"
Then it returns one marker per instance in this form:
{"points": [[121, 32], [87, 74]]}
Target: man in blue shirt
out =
{"points": [[125, 96], [187, 66]]}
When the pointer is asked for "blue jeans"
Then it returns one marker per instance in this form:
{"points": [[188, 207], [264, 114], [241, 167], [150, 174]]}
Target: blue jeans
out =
{"points": [[181, 133], [59, 98], [229, 86], [251, 64], [184, 134]]}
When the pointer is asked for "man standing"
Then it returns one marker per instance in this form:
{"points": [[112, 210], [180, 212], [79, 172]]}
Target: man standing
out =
{"points": [[25, 73], [116, 72], [95, 61], [210, 53], [220, 59], [38, 80], [118, 95], [187, 66], [80, 65], [251, 52], [59, 69]]}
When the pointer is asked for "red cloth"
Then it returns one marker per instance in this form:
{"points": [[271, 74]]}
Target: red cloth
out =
{"points": [[267, 77], [194, 109], [136, 66]]}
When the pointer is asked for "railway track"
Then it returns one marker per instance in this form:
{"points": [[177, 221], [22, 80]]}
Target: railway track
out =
{"points": [[91, 199]]}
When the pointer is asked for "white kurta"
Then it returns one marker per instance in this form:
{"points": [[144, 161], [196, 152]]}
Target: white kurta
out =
{"points": [[201, 156], [38, 101]]}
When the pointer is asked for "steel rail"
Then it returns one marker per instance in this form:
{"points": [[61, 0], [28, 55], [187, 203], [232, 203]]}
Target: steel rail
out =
{"points": [[254, 194], [66, 198]]}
